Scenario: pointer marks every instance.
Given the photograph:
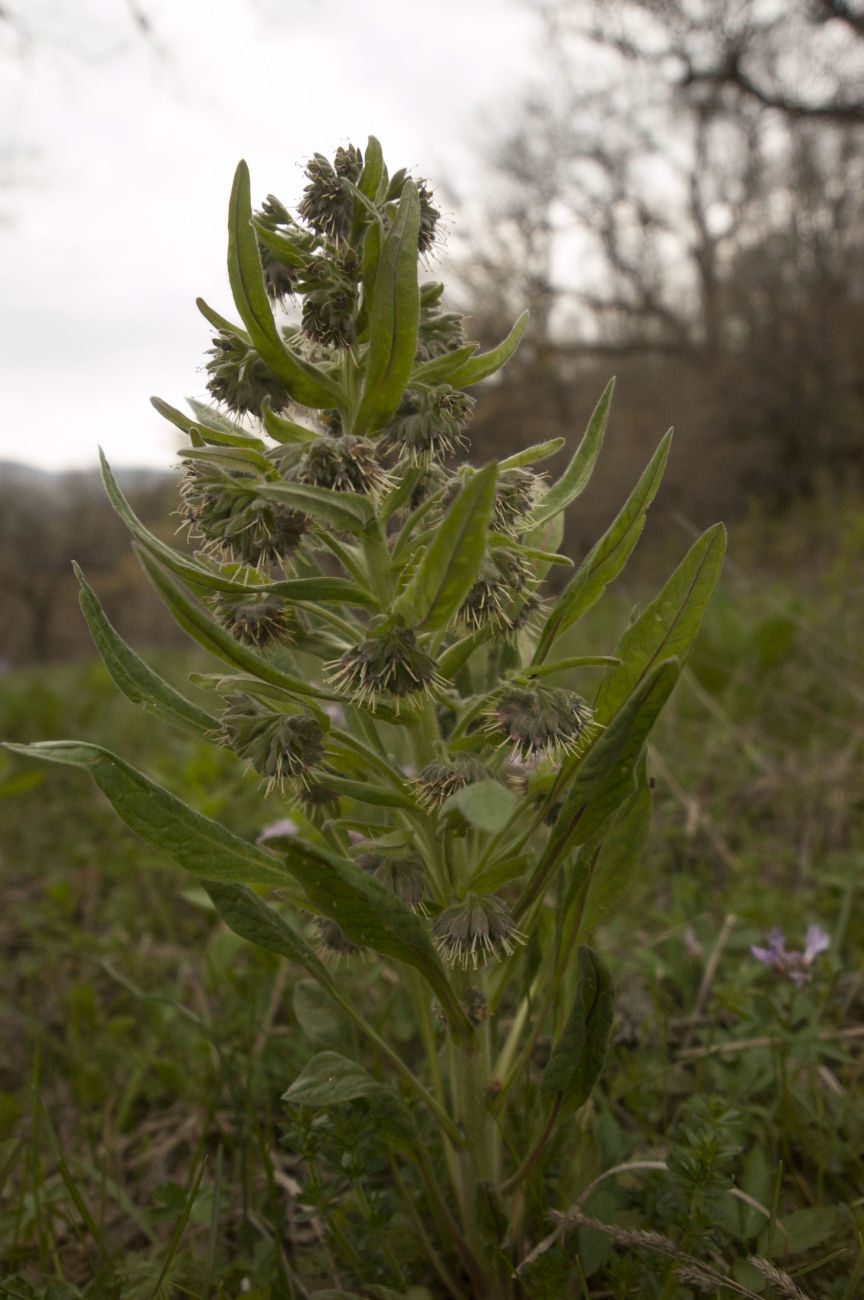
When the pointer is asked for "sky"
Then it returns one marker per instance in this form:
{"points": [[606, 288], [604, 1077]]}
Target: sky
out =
{"points": [[116, 158]]}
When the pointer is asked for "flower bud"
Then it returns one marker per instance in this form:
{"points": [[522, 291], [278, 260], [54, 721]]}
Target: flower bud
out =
{"points": [[279, 746], [239, 379], [256, 619], [500, 581], [333, 942], [438, 334], [516, 495], [438, 781], [327, 205], [429, 423], [343, 464], [386, 665], [540, 720], [468, 933], [223, 509]]}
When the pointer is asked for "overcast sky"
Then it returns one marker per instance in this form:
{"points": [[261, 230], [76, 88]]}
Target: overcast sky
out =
{"points": [[117, 161]]}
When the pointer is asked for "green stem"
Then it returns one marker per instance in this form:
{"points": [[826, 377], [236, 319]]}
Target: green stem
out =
{"points": [[399, 1065], [451, 1285], [535, 1151]]}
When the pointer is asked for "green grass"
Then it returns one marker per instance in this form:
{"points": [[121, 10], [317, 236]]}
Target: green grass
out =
{"points": [[144, 1150]]}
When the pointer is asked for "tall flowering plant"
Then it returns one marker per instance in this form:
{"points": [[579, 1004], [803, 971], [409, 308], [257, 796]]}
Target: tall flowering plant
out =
{"points": [[465, 806]]}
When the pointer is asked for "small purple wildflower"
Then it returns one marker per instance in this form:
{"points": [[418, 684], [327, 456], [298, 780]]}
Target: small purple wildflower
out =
{"points": [[794, 965], [280, 830]]}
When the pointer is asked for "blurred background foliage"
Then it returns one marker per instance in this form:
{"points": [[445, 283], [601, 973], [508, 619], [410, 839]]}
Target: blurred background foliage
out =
{"points": [[680, 201]]}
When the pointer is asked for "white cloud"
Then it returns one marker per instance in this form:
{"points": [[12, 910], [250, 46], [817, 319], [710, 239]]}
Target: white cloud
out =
{"points": [[121, 224]]}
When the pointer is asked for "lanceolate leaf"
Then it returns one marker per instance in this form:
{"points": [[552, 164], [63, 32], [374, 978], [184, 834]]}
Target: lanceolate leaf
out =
{"points": [[305, 382], [283, 430], [437, 370], [394, 313], [577, 1058], [488, 363], [207, 430], [576, 476], [596, 785], [605, 560], [193, 841], [450, 563], [667, 627], [201, 627], [346, 511], [606, 774], [374, 918], [531, 455], [136, 680], [488, 805], [618, 858], [254, 920], [329, 591]]}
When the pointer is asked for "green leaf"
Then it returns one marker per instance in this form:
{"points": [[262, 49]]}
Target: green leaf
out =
{"points": [[458, 654], [374, 918], [576, 476], [333, 1080], [192, 840], [617, 860], [373, 168], [221, 322], [215, 421], [283, 430], [489, 362], [257, 922], [200, 626], [178, 563], [394, 313], [346, 511], [605, 560], [600, 782], [437, 370], [315, 1014], [488, 805], [578, 1056], [136, 680], [203, 430], [450, 564], [605, 776], [365, 792], [668, 626], [330, 1080], [531, 455], [802, 1230], [305, 382]]}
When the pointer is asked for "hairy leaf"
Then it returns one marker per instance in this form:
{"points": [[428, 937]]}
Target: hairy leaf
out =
{"points": [[488, 363], [578, 1056], [576, 476], [305, 382], [450, 563], [605, 560], [394, 313], [192, 840], [668, 626], [136, 680]]}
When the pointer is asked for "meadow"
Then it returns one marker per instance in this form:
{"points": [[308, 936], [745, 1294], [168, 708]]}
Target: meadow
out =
{"points": [[145, 1150]]}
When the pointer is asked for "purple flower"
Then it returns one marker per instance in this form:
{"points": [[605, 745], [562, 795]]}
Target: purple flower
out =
{"points": [[794, 965], [280, 830]]}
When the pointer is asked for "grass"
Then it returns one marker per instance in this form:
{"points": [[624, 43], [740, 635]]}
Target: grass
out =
{"points": [[144, 1150]]}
